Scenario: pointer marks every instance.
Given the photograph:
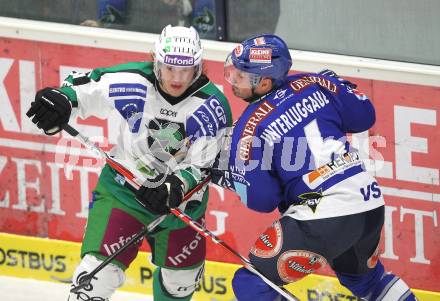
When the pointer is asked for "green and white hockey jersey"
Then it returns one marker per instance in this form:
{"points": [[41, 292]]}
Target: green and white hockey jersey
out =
{"points": [[158, 135]]}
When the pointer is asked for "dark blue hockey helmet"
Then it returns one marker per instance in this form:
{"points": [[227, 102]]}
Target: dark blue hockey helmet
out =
{"points": [[264, 55]]}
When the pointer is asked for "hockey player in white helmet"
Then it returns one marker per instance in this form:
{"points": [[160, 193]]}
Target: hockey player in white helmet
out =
{"points": [[291, 152], [172, 123]]}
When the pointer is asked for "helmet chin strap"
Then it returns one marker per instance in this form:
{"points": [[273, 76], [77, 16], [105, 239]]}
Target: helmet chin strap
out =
{"points": [[256, 96]]}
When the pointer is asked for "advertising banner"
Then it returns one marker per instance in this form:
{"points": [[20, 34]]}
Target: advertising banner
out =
{"points": [[55, 260], [45, 193]]}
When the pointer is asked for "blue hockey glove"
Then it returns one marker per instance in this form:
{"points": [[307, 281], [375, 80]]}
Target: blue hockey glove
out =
{"points": [[331, 73], [161, 198]]}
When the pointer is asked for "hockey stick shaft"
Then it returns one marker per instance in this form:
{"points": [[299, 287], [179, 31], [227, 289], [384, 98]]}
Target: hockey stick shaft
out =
{"points": [[184, 217], [128, 175], [248, 265], [113, 164], [85, 280]]}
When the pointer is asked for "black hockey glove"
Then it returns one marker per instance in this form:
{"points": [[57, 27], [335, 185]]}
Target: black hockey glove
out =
{"points": [[50, 110], [331, 73], [160, 199]]}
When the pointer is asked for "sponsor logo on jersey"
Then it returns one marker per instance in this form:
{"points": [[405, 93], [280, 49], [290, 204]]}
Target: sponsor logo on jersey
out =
{"points": [[260, 55], [215, 105], [239, 178], [294, 115], [258, 115], [122, 240], [209, 117], [270, 242], [235, 175], [187, 248], [316, 177], [168, 112], [209, 125], [299, 84], [186, 251], [127, 89], [295, 264], [116, 236], [178, 60]]}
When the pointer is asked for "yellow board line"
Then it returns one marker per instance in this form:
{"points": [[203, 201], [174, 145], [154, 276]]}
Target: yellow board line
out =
{"points": [[55, 260]]}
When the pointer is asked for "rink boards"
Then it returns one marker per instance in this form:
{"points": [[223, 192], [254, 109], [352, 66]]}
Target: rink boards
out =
{"points": [[46, 182], [55, 260]]}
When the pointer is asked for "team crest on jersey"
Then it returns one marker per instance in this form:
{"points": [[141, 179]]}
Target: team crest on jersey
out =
{"points": [[295, 264], [270, 242], [131, 110], [311, 199], [166, 139]]}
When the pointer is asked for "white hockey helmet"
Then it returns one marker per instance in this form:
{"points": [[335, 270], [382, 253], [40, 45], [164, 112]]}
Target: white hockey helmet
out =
{"points": [[178, 46]]}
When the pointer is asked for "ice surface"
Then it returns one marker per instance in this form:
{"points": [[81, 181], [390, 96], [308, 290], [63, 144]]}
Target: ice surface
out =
{"points": [[21, 289]]}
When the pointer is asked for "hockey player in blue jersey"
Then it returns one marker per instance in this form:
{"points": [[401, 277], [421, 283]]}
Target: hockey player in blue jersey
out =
{"points": [[289, 150]]}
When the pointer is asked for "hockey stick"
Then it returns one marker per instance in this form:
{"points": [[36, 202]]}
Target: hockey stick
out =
{"points": [[182, 216], [247, 264], [133, 182], [85, 280]]}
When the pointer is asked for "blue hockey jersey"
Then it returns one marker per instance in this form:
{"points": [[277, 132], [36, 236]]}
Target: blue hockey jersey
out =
{"points": [[289, 150]]}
